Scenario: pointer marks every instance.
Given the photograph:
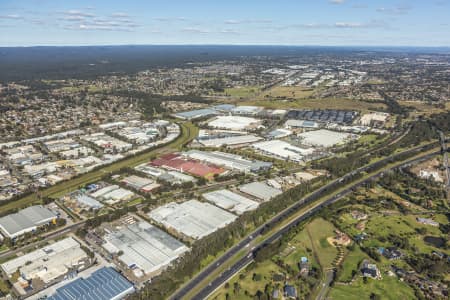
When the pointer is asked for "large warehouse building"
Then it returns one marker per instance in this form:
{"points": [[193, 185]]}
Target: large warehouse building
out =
{"points": [[195, 114], [234, 141], [231, 201], [46, 264], [234, 123], [228, 160], [26, 220], [177, 162], [282, 150], [192, 218], [103, 284], [260, 190], [324, 138], [144, 246]]}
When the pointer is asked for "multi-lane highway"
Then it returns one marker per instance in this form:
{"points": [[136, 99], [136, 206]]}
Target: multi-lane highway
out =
{"points": [[320, 193], [445, 163], [241, 263]]}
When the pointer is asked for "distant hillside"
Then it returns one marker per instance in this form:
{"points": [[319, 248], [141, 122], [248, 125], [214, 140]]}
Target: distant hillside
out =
{"points": [[23, 63]]}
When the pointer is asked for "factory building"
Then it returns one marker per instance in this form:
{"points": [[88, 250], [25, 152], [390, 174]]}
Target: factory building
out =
{"points": [[103, 284], [231, 201], [229, 161], [192, 218], [260, 190], [144, 247], [26, 220], [282, 150]]}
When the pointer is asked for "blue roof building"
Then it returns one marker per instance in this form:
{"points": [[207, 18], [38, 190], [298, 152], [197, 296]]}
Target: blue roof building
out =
{"points": [[103, 284], [224, 107], [196, 114]]}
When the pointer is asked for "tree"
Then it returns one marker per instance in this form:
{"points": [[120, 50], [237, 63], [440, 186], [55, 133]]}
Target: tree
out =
{"points": [[374, 296], [236, 288], [256, 277]]}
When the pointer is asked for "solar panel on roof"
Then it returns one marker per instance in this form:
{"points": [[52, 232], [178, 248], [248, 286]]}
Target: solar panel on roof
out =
{"points": [[103, 284]]}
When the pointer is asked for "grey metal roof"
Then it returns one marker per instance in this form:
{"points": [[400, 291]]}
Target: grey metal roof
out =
{"points": [[260, 190], [145, 246], [89, 201], [198, 113], [229, 160], [37, 214], [25, 219]]}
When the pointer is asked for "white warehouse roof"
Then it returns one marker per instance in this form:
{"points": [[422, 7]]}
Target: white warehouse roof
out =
{"points": [[192, 218], [260, 190], [282, 149], [230, 140], [323, 137], [233, 122], [144, 246], [228, 160], [231, 201], [45, 253]]}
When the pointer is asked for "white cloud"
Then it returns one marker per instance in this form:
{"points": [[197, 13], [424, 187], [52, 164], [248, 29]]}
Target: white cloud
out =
{"points": [[229, 31], [78, 13], [319, 26], [337, 1], [348, 25], [73, 18], [11, 17], [232, 21], [248, 21], [195, 30], [371, 24], [170, 19], [120, 15], [80, 20], [395, 10]]}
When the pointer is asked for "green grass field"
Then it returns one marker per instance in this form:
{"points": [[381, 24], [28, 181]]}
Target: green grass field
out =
{"points": [[326, 103], [294, 92], [300, 245], [401, 225], [350, 263], [189, 132], [266, 269], [386, 288], [243, 92], [4, 288], [319, 230]]}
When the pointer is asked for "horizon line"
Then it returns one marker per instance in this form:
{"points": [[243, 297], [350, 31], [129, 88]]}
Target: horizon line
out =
{"points": [[218, 44]]}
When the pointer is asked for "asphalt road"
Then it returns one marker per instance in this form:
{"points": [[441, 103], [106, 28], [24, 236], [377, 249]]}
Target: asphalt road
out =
{"points": [[329, 277], [48, 236], [446, 163], [218, 281]]}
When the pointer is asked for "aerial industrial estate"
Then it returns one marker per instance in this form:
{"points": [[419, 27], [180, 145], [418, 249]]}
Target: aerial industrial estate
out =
{"points": [[118, 205], [223, 172]]}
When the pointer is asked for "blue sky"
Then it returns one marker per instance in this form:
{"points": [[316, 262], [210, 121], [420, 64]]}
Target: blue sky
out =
{"points": [[293, 22]]}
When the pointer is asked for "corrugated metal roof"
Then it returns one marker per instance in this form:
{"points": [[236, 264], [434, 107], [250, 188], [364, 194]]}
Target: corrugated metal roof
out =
{"points": [[104, 284], [260, 190], [26, 219]]}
